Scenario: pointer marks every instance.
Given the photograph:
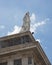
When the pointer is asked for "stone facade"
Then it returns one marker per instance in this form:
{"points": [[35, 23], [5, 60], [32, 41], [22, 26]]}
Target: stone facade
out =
{"points": [[23, 50]]}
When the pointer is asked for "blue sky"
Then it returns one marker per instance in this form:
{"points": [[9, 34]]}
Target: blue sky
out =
{"points": [[11, 17]]}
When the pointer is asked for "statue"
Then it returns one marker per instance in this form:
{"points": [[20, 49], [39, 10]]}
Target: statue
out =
{"points": [[26, 23]]}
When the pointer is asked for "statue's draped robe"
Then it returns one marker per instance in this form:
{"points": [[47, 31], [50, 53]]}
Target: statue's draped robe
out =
{"points": [[26, 23]]}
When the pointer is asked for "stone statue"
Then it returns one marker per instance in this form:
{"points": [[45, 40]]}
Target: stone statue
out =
{"points": [[26, 23]]}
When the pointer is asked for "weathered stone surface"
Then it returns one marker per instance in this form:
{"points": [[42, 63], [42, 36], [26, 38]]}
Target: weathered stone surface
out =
{"points": [[22, 51]]}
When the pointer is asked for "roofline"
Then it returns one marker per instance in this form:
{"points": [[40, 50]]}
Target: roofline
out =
{"points": [[16, 35]]}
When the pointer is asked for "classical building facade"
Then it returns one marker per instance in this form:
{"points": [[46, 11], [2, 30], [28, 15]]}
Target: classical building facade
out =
{"points": [[21, 49]]}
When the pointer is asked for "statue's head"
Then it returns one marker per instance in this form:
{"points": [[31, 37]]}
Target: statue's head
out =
{"points": [[26, 17], [27, 13]]}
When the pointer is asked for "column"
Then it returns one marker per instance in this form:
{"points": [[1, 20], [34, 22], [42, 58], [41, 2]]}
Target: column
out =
{"points": [[24, 61], [10, 62]]}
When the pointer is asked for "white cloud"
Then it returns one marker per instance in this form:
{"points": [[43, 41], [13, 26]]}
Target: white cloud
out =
{"points": [[33, 17], [38, 40], [36, 25], [2, 26], [33, 27], [15, 30]]}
